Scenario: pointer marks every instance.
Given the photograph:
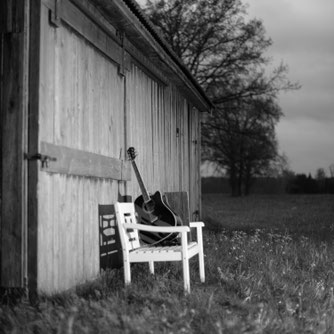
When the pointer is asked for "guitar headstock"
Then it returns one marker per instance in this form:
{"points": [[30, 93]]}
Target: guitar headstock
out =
{"points": [[131, 153]]}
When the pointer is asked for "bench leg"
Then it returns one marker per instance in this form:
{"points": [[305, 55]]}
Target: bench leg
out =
{"points": [[151, 264], [127, 272], [201, 266], [185, 262], [186, 275], [200, 254]]}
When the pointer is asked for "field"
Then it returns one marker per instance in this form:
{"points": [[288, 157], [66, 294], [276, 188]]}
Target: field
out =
{"points": [[269, 268], [311, 215]]}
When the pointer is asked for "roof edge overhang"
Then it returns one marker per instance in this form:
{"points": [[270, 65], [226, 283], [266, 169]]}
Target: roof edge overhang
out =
{"points": [[130, 20]]}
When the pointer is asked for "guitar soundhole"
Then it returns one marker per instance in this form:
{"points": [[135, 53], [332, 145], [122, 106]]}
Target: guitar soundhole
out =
{"points": [[149, 206]]}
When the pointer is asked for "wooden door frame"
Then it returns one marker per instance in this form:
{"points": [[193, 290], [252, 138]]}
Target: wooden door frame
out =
{"points": [[14, 29], [33, 147], [20, 38]]}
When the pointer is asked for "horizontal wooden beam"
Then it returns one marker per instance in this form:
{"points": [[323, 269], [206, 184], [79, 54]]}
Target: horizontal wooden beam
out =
{"points": [[66, 160]]}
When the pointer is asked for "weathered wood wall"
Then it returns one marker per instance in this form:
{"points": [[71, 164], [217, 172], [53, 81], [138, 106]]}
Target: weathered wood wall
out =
{"points": [[88, 104], [81, 107], [165, 130]]}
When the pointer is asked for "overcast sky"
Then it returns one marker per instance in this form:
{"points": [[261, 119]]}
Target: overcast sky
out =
{"points": [[303, 37]]}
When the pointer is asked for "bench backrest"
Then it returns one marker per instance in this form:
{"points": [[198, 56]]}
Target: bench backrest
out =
{"points": [[125, 213]]}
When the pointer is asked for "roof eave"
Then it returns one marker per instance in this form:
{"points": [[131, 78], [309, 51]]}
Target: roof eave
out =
{"points": [[130, 19]]}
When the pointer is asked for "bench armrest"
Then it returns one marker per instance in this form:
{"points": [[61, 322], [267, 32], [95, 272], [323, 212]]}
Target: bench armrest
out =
{"points": [[196, 224], [160, 229]]}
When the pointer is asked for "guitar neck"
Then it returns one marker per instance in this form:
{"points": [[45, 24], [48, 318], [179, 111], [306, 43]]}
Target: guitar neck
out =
{"points": [[143, 189]]}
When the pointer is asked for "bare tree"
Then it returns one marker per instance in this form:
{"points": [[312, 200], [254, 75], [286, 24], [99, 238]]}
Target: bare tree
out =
{"points": [[331, 170], [279, 167], [225, 52], [320, 174], [241, 139]]}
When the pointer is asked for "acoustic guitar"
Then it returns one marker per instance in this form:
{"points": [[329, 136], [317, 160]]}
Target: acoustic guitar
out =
{"points": [[153, 210]]}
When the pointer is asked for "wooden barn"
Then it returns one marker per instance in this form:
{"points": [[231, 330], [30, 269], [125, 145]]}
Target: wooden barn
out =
{"points": [[81, 81]]}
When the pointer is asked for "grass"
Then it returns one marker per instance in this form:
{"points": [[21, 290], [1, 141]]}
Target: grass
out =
{"points": [[269, 268], [310, 215]]}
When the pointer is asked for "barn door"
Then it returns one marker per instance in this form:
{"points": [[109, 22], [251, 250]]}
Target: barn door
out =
{"points": [[14, 108], [77, 131]]}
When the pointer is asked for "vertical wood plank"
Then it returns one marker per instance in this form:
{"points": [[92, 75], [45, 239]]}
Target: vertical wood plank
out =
{"points": [[79, 214], [45, 238], [194, 148], [47, 80], [56, 223], [179, 202], [14, 106]]}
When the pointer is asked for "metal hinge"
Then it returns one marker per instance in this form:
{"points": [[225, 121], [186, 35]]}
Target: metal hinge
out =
{"points": [[38, 156], [56, 13]]}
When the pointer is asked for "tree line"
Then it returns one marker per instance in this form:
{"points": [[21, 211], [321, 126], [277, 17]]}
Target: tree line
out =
{"points": [[306, 184], [225, 50], [290, 184]]}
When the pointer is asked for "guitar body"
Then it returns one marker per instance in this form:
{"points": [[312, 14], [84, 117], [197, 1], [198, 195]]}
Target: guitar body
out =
{"points": [[156, 212]]}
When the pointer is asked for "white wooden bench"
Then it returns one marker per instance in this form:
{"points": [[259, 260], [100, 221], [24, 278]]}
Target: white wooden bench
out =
{"points": [[134, 251]]}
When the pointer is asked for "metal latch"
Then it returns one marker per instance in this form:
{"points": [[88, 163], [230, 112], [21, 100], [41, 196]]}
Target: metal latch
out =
{"points": [[38, 156]]}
